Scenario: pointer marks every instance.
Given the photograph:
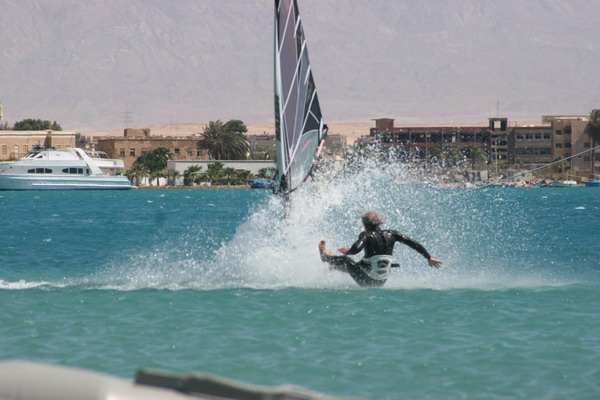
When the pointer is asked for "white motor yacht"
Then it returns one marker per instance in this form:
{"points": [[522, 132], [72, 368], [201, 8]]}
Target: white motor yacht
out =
{"points": [[62, 169]]}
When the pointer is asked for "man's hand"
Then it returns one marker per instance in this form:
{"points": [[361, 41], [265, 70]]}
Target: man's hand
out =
{"points": [[344, 250], [433, 262]]}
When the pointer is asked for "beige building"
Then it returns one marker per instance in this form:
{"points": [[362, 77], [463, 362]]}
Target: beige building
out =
{"points": [[523, 147], [263, 145], [135, 142], [16, 144], [581, 165]]}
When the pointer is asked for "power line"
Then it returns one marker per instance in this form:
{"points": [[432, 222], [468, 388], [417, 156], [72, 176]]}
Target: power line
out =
{"points": [[127, 118]]}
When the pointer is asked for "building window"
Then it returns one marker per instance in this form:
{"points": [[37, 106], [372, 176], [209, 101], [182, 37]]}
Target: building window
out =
{"points": [[4, 149], [586, 145], [176, 152], [568, 145], [121, 152], [546, 136], [558, 132], [132, 152], [559, 145]]}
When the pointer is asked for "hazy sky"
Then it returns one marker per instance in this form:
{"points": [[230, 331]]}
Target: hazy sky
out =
{"points": [[93, 64]]}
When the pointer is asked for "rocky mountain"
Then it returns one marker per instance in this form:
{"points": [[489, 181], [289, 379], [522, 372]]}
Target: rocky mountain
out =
{"points": [[104, 64]]}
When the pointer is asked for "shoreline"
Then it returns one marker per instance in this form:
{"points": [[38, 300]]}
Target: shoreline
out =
{"points": [[193, 187]]}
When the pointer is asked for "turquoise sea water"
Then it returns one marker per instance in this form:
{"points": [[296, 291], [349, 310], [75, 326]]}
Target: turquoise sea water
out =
{"points": [[219, 281]]}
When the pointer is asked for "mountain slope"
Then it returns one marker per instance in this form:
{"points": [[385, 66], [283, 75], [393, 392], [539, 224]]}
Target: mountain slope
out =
{"points": [[92, 64]]}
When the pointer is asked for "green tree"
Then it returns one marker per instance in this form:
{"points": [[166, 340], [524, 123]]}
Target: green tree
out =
{"points": [[191, 175], [235, 125], [477, 157], [453, 155], [136, 173], [172, 176], [241, 177], [156, 175], [216, 173], [36, 125], [154, 161], [230, 174], [266, 173], [225, 141]]}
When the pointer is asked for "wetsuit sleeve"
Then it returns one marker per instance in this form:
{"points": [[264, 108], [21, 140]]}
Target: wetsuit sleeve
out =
{"points": [[358, 245], [413, 244]]}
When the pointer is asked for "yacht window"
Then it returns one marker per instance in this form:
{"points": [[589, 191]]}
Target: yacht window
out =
{"points": [[31, 171]]}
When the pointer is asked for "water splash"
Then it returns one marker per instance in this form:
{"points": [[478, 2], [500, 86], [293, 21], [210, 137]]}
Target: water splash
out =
{"points": [[483, 237], [478, 234]]}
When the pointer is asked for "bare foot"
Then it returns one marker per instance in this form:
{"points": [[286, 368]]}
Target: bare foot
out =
{"points": [[324, 251]]}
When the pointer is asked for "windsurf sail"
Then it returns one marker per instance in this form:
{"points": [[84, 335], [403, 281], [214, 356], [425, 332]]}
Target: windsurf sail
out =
{"points": [[299, 129]]}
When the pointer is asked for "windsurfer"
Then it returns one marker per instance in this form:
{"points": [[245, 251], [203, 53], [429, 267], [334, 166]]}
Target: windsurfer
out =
{"points": [[378, 245]]}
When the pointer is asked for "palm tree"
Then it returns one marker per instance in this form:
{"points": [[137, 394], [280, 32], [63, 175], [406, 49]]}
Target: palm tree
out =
{"points": [[172, 176], [225, 141], [191, 174], [229, 174], [215, 173], [156, 175], [137, 172]]}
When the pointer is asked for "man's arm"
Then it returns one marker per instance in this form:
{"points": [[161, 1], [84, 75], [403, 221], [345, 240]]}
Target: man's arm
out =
{"points": [[356, 247], [413, 244]]}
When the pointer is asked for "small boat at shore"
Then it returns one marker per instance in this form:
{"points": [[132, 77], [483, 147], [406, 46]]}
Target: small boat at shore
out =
{"points": [[63, 169], [592, 183], [261, 184], [561, 184]]}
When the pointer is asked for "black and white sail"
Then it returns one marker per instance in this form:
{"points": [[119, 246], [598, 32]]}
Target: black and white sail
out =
{"points": [[299, 128]]}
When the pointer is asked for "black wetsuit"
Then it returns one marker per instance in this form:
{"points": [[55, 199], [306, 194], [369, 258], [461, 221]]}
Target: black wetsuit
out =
{"points": [[373, 242]]}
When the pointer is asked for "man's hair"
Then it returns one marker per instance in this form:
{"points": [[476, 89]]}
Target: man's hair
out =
{"points": [[372, 219]]}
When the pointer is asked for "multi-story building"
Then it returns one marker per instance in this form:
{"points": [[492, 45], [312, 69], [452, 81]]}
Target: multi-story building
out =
{"points": [[135, 142], [16, 144], [263, 145], [528, 147], [426, 142]]}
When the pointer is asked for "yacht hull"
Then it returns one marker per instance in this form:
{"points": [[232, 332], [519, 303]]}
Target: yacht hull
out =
{"points": [[33, 182]]}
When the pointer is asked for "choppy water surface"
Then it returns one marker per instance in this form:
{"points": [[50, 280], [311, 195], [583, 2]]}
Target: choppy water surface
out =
{"points": [[220, 281]]}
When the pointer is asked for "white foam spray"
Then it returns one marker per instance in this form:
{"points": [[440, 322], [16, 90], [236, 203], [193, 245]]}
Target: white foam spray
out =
{"points": [[277, 247]]}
